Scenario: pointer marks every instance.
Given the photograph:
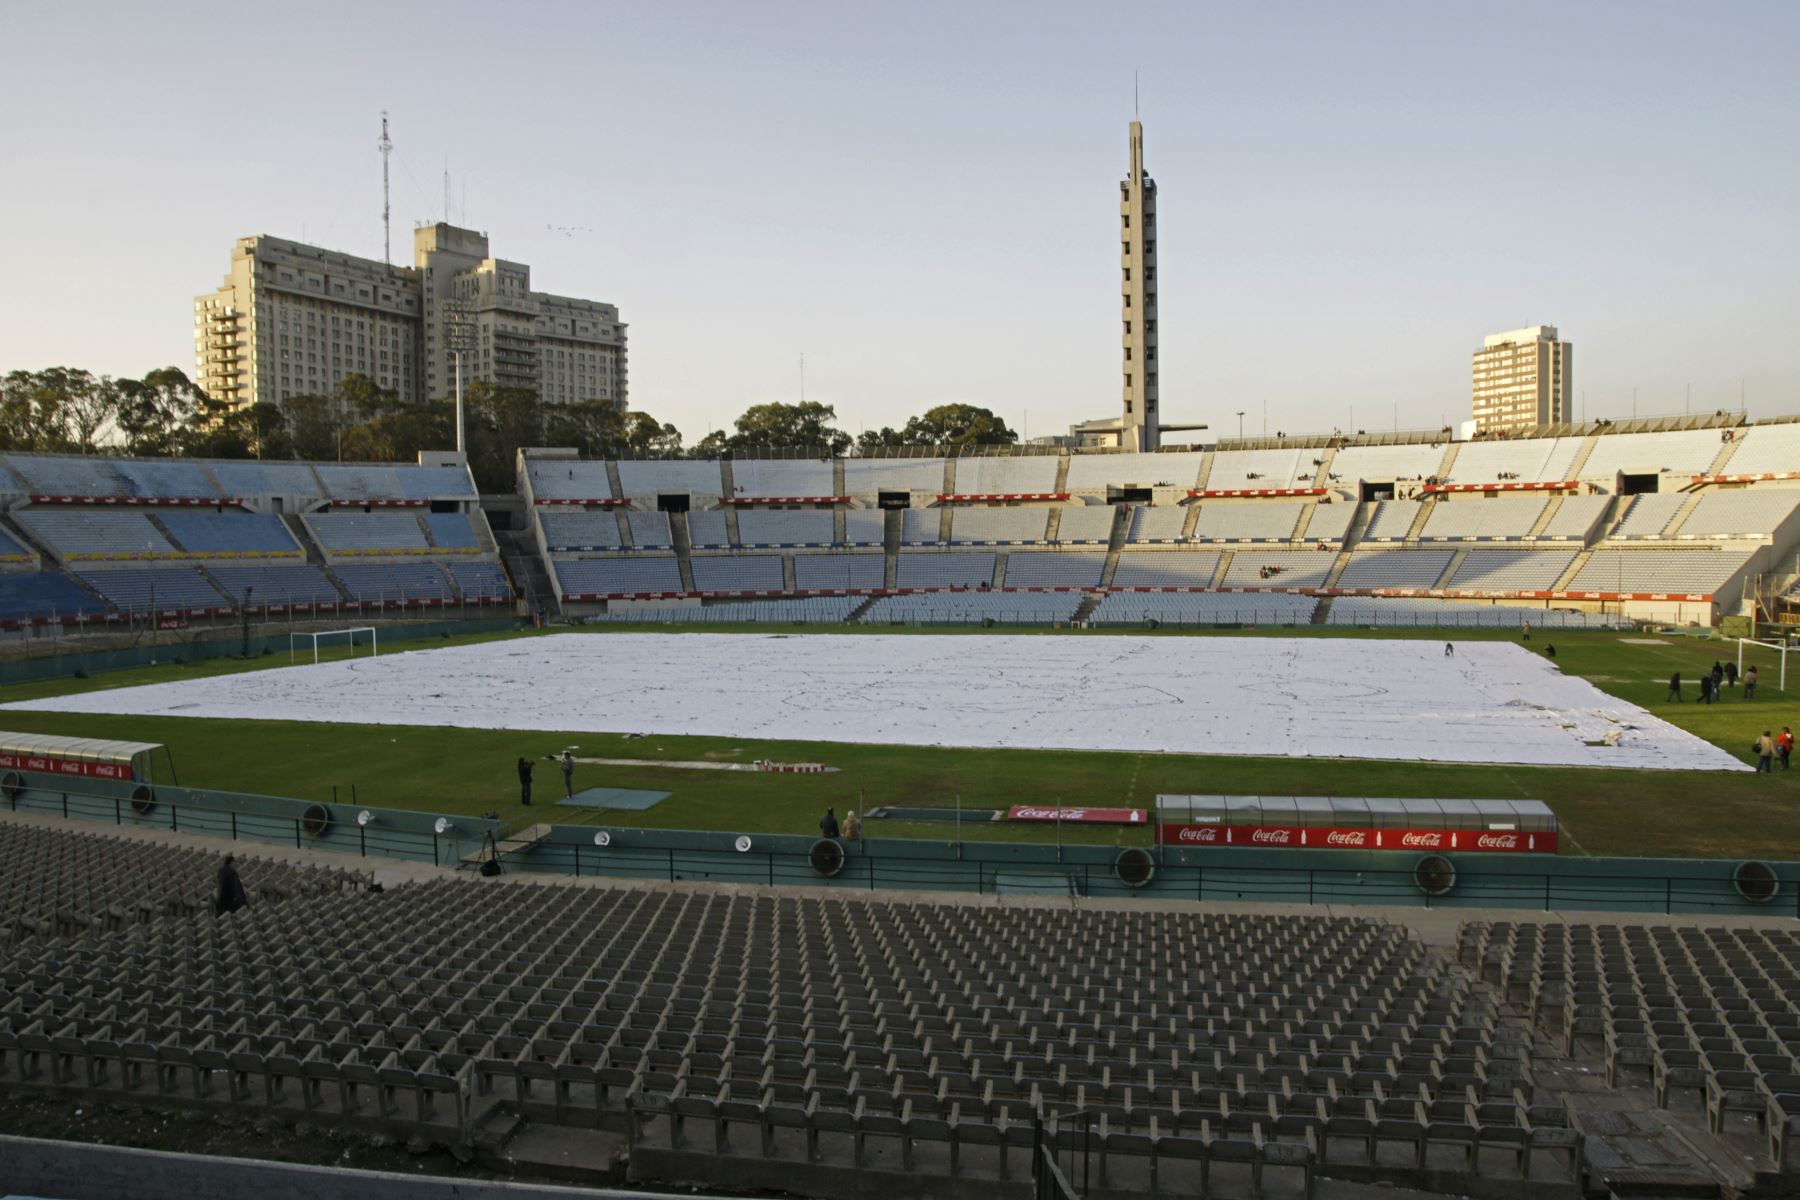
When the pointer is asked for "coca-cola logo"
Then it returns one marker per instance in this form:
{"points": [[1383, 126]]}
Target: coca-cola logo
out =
{"points": [[1422, 841], [1498, 841], [1025, 813], [1205, 834], [1271, 837], [1347, 837]]}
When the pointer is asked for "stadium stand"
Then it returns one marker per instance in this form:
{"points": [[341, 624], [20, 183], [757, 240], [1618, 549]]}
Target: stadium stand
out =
{"points": [[729, 573], [370, 481], [77, 533], [1421, 611], [1766, 450], [1165, 568], [864, 527], [944, 569], [42, 596], [257, 479], [53, 475], [288, 583], [452, 531], [1279, 568], [973, 608], [1392, 520], [229, 532], [1528, 460], [787, 477], [1648, 516], [1246, 470], [919, 527], [1085, 524], [1512, 570], [577, 529], [1417, 461], [702, 480], [1247, 520], [1752, 513], [709, 530], [1058, 569], [984, 476], [12, 552], [804, 610], [395, 583], [367, 532], [1503, 519], [1203, 608], [832, 572], [762, 527], [1394, 568], [163, 478], [650, 530], [872, 476], [568, 479], [480, 581], [1329, 522], [1693, 571], [1157, 526], [1575, 518], [153, 589], [998, 526], [1097, 472], [637, 575], [1674, 452]]}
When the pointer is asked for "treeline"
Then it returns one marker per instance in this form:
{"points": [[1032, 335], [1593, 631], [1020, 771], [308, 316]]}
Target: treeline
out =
{"points": [[165, 415]]}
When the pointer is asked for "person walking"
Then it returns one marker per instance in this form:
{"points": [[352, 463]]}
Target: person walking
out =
{"points": [[1750, 683], [1675, 687], [1449, 649], [1718, 678], [231, 889], [1706, 694], [525, 782], [1765, 752], [828, 825], [852, 827], [568, 769], [1730, 673], [1784, 745]]}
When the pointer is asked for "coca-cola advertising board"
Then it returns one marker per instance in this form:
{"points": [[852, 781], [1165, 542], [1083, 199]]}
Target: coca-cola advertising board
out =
{"points": [[1297, 837], [52, 765], [1084, 816]]}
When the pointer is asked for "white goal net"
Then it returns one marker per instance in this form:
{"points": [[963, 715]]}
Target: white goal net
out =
{"points": [[354, 639]]}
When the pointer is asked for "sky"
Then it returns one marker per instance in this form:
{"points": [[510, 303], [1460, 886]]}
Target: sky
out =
{"points": [[922, 199]]}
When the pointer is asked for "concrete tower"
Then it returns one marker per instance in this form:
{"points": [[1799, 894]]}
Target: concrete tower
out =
{"points": [[1141, 429]]}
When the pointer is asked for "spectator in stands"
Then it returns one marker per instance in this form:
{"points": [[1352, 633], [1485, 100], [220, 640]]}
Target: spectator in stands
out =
{"points": [[1675, 687], [1750, 683], [231, 889], [525, 782], [567, 761], [1784, 745], [852, 827], [1765, 752], [828, 826]]}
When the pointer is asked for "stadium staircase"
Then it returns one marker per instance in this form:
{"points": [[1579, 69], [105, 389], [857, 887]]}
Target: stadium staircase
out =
{"points": [[1219, 572], [732, 533], [861, 610], [1321, 614], [1206, 466], [1054, 527], [1359, 525], [1062, 473], [788, 574], [1444, 467], [1548, 515], [684, 546], [1115, 543], [1563, 580], [1000, 570], [1726, 450], [1451, 568], [612, 479], [1417, 529], [1299, 530], [519, 553], [727, 478], [1325, 460], [298, 531], [1687, 507], [890, 544], [1581, 456], [946, 516]]}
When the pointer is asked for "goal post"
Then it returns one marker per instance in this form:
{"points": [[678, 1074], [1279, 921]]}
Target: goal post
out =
{"points": [[296, 639], [1781, 647]]}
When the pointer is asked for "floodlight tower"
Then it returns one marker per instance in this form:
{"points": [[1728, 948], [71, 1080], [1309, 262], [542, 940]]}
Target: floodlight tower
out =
{"points": [[386, 146]]}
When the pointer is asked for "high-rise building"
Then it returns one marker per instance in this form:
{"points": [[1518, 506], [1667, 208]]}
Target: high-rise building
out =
{"points": [[1522, 379], [292, 319], [1141, 429]]}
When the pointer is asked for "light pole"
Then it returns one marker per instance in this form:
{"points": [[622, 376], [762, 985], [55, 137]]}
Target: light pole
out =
{"points": [[1240, 417], [244, 617]]}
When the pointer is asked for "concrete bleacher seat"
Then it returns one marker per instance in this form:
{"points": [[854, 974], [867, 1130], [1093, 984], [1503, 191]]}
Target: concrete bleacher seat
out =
{"points": [[650, 530], [1505, 518], [1648, 516], [973, 608], [762, 527], [391, 481], [164, 478], [1675, 452], [1394, 568], [388, 583], [1766, 450], [652, 477], [1512, 570], [1247, 520], [56, 475], [864, 527], [1527, 460], [944, 569], [868, 477], [709, 530], [1698, 570], [1413, 611], [43, 595], [286, 583], [249, 479], [919, 526], [1027, 475], [576, 529], [568, 479], [1085, 524], [1289, 568], [87, 533], [1329, 522], [1152, 526], [1392, 520], [1052, 568], [737, 573], [1166, 568], [803, 477], [1751, 513], [998, 526], [829, 572], [638, 574], [147, 589], [12, 551], [367, 532], [1418, 461], [1575, 518], [452, 531], [801, 610], [480, 580], [1097, 472], [229, 532], [1241, 470], [1203, 608]]}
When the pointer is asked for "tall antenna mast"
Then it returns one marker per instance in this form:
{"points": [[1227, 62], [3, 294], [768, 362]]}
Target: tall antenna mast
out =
{"points": [[386, 146]]}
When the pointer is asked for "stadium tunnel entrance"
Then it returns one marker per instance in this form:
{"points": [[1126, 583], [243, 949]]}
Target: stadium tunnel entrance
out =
{"points": [[893, 500], [673, 502], [1375, 489]]}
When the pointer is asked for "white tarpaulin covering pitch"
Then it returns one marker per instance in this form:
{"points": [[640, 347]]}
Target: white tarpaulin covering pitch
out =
{"points": [[1317, 698]]}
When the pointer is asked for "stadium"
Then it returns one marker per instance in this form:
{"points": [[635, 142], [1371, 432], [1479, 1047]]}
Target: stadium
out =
{"points": [[1283, 815]]}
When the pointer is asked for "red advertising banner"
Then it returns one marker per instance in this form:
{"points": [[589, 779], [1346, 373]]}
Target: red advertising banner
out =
{"points": [[51, 765], [1296, 837], [1088, 816]]}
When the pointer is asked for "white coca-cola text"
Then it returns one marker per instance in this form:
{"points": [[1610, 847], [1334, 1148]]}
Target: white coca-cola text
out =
{"points": [[1208, 833], [1498, 841], [1347, 837], [1422, 840], [1049, 814], [1276, 837]]}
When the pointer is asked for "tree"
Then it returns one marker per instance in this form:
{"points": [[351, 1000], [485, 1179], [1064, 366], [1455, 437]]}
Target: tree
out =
{"points": [[958, 426], [777, 426], [155, 414], [500, 420], [645, 437], [885, 438]]}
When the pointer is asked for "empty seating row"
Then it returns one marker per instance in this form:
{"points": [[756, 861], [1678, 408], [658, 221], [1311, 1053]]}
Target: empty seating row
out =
{"points": [[785, 477], [944, 569], [1054, 569], [973, 608], [1203, 608], [1527, 460], [368, 532], [77, 533], [1755, 512], [1394, 569], [1505, 518], [996, 476], [636, 575], [803, 610], [732, 573], [1701, 570], [172, 479], [1409, 611]]}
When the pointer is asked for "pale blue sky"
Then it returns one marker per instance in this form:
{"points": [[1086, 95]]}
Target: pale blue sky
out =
{"points": [[923, 198]]}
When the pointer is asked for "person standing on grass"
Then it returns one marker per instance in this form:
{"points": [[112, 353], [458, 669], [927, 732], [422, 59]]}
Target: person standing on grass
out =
{"points": [[1730, 674], [1750, 683], [1784, 745], [1675, 687], [1765, 752], [1718, 678], [1705, 688], [525, 782], [568, 769]]}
